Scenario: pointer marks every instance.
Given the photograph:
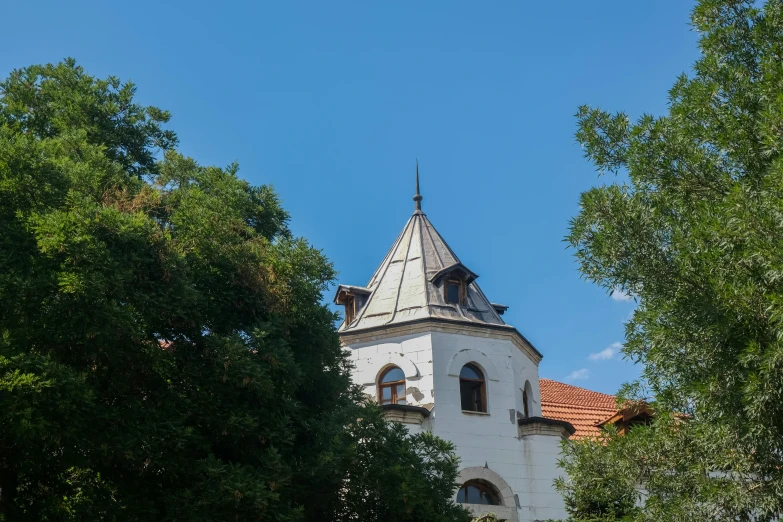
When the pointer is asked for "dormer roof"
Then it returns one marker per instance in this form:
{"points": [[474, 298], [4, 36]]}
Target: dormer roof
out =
{"points": [[407, 286], [349, 290], [459, 269]]}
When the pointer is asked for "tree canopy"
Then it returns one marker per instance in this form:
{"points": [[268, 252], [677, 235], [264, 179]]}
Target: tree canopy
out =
{"points": [[164, 352], [693, 232]]}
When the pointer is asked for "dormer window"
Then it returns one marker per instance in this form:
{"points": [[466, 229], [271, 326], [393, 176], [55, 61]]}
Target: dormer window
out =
{"points": [[454, 292], [353, 298], [350, 310], [454, 281]]}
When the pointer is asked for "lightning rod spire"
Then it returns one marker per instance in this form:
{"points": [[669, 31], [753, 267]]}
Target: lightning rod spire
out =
{"points": [[417, 198]]}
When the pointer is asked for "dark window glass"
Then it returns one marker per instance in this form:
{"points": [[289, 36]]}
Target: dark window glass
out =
{"points": [[452, 293], [472, 396], [524, 403], [470, 372], [475, 492], [471, 389]]}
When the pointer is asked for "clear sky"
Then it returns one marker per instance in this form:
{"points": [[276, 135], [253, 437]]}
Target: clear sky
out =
{"points": [[332, 102]]}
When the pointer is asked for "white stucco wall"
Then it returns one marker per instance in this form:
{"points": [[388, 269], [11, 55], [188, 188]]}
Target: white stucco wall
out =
{"points": [[431, 362]]}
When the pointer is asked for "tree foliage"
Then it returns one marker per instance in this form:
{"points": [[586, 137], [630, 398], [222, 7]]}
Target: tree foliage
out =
{"points": [[598, 488], [396, 476], [694, 234], [164, 353]]}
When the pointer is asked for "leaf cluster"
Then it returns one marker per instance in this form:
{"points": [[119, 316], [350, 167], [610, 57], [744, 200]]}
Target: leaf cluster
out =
{"points": [[164, 350], [694, 235]]}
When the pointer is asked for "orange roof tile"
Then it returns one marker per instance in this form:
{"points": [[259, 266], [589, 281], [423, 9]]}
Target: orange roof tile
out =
{"points": [[584, 409]]}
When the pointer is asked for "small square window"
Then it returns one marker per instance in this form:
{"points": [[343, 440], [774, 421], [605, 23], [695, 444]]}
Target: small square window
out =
{"points": [[452, 292]]}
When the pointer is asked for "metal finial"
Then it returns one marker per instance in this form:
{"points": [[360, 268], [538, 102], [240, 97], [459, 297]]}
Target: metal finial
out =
{"points": [[417, 198]]}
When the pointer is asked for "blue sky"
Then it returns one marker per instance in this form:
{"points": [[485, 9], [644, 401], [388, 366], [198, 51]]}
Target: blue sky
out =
{"points": [[332, 102]]}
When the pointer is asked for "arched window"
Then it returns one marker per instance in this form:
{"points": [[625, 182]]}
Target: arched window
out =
{"points": [[391, 387], [476, 492], [471, 389], [527, 394]]}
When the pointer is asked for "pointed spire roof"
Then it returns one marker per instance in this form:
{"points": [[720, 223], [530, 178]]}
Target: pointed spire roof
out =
{"points": [[408, 285]]}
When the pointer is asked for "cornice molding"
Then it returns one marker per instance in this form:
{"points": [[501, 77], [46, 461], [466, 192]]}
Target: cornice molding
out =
{"points": [[405, 413], [545, 426], [500, 332]]}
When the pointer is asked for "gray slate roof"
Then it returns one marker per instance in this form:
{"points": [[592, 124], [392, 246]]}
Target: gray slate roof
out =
{"points": [[406, 286]]}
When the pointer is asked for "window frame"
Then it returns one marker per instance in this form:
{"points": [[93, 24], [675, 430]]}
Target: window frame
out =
{"points": [[484, 489], [350, 311], [460, 291], [482, 388], [393, 386]]}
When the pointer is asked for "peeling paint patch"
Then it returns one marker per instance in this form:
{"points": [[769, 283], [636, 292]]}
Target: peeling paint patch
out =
{"points": [[512, 415], [412, 390]]}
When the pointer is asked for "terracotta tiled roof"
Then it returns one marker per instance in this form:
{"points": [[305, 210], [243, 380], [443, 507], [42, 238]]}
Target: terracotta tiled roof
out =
{"points": [[584, 409]]}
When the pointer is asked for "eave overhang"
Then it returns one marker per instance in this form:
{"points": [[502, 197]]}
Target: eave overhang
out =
{"points": [[628, 413], [499, 308]]}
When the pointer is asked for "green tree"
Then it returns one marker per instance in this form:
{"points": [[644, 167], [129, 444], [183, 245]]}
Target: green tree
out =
{"points": [[392, 475], [164, 353], [598, 488], [694, 234]]}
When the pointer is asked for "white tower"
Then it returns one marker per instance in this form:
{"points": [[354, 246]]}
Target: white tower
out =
{"points": [[435, 353]]}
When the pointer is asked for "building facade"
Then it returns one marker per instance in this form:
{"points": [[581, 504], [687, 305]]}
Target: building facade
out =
{"points": [[430, 347]]}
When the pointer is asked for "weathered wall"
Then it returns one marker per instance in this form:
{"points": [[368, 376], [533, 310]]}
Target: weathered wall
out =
{"points": [[413, 354], [431, 361]]}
